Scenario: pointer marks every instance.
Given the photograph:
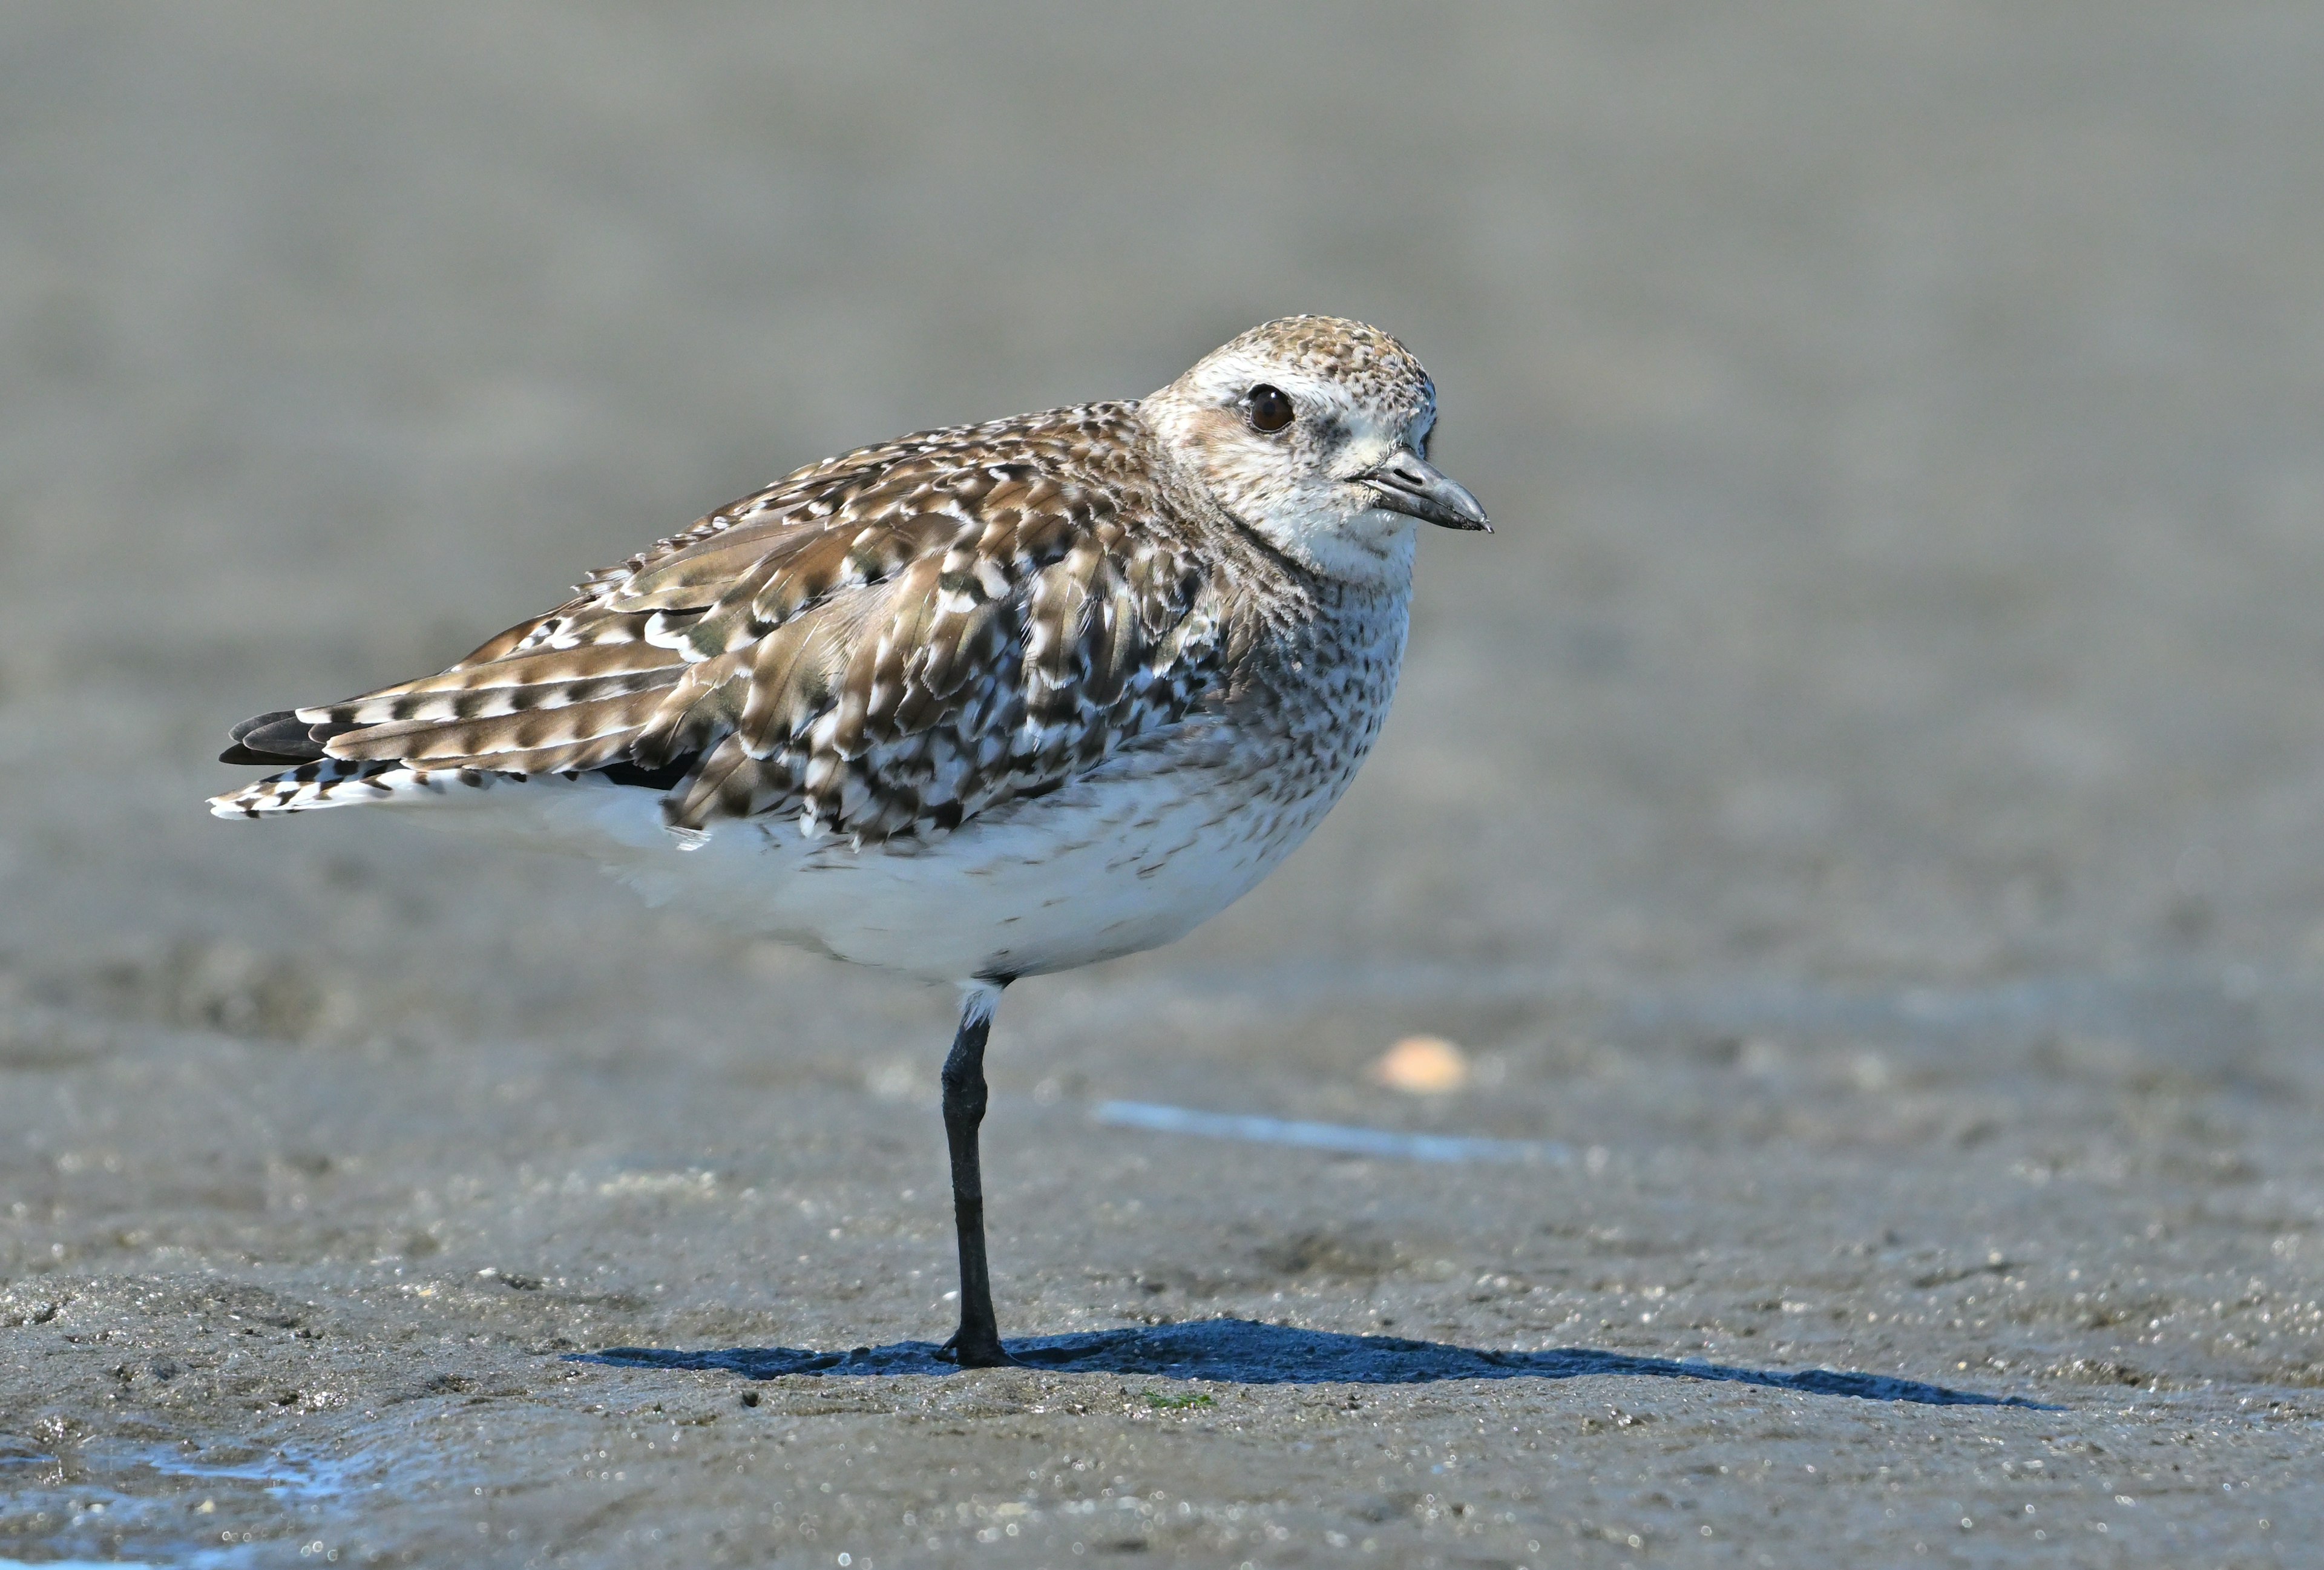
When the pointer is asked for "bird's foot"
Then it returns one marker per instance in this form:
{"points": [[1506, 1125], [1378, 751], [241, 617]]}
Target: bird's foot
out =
{"points": [[976, 1349]]}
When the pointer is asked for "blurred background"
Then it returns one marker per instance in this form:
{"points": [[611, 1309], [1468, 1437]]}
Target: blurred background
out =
{"points": [[1869, 793], [1902, 422]]}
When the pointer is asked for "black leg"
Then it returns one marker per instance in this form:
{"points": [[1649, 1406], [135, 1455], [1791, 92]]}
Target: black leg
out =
{"points": [[977, 1342]]}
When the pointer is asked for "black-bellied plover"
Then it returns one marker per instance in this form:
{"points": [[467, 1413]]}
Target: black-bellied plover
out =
{"points": [[973, 704]]}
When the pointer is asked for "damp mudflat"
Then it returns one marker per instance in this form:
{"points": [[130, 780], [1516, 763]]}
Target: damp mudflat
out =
{"points": [[1805, 1046], [490, 1300]]}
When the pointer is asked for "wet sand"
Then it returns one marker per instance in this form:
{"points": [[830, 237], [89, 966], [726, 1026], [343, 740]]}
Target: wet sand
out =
{"points": [[1862, 815]]}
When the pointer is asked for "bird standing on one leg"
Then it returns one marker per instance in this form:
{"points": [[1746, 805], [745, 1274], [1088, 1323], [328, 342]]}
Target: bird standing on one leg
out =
{"points": [[973, 704]]}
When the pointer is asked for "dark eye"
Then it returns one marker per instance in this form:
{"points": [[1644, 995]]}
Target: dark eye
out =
{"points": [[1270, 407]]}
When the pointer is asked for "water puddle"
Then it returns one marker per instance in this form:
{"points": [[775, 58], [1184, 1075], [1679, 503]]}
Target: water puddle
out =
{"points": [[128, 1502], [1342, 1138]]}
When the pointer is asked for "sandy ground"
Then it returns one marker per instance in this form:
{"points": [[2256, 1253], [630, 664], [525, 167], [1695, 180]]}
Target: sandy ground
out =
{"points": [[1863, 814]]}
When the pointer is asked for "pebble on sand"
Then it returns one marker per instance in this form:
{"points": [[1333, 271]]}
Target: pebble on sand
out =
{"points": [[1422, 1065]]}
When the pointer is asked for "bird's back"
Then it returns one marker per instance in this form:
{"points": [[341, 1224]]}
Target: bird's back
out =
{"points": [[882, 646]]}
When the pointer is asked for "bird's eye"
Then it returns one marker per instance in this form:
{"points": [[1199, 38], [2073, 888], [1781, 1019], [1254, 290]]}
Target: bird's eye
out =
{"points": [[1269, 407]]}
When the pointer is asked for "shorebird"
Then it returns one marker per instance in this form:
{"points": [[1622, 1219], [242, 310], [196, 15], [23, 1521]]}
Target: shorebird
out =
{"points": [[973, 704]]}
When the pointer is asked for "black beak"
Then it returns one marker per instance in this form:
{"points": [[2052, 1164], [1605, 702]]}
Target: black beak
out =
{"points": [[1408, 483]]}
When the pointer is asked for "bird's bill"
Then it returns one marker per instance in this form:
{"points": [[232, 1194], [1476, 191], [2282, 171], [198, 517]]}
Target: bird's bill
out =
{"points": [[1409, 484]]}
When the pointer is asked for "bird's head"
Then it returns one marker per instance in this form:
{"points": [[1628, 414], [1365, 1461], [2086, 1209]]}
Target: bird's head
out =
{"points": [[1312, 431]]}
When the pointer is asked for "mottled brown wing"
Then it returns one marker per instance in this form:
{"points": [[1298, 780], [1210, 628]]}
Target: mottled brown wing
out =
{"points": [[887, 644]]}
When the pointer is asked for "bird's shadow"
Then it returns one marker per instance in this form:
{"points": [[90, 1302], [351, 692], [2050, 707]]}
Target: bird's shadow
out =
{"points": [[1244, 1351]]}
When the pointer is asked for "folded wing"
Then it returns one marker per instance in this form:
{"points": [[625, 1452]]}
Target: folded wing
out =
{"points": [[883, 645]]}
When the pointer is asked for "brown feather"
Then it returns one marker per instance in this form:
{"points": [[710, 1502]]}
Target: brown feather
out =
{"points": [[884, 643]]}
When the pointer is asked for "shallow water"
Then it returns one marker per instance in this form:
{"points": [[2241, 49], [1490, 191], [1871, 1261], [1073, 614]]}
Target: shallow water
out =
{"points": [[1337, 1138], [163, 1504]]}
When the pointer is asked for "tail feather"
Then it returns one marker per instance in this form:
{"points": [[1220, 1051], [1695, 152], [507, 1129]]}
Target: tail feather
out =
{"points": [[336, 783]]}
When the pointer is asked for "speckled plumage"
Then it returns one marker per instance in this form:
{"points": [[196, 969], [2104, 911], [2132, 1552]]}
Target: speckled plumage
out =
{"points": [[973, 704], [1146, 625]]}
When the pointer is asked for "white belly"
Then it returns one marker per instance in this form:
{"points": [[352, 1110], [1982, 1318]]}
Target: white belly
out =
{"points": [[1132, 856]]}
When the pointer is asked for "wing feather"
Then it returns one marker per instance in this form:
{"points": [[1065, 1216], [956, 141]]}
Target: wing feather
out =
{"points": [[883, 644]]}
